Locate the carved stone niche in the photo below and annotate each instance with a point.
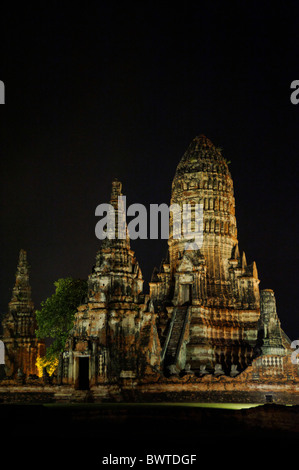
(203, 369)
(234, 370)
(188, 369)
(218, 370)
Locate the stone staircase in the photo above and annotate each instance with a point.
(177, 331)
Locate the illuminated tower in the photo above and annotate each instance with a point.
(208, 299)
(203, 177)
(114, 336)
(19, 325)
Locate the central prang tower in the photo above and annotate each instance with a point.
(208, 299)
(203, 177)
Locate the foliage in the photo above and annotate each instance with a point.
(56, 317)
(50, 364)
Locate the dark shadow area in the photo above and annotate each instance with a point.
(83, 373)
(130, 430)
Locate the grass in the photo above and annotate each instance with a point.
(225, 406)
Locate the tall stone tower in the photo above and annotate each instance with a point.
(202, 177)
(114, 335)
(19, 325)
(208, 299)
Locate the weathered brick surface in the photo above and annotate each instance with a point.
(205, 332)
(19, 325)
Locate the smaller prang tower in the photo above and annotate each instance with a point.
(19, 324)
(114, 337)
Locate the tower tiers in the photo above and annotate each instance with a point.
(114, 336)
(204, 315)
(203, 177)
(213, 284)
(19, 325)
(203, 312)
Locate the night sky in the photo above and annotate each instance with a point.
(120, 90)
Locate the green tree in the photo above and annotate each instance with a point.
(56, 316)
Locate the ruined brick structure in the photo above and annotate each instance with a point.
(114, 335)
(211, 295)
(19, 325)
(204, 332)
(204, 314)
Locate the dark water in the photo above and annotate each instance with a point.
(98, 432)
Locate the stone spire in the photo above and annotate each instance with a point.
(19, 325)
(207, 298)
(117, 201)
(116, 258)
(21, 307)
(21, 300)
(203, 177)
(201, 149)
(112, 330)
(269, 334)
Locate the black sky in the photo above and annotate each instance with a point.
(119, 90)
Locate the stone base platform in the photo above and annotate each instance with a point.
(187, 389)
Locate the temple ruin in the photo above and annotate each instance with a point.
(22, 348)
(205, 331)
